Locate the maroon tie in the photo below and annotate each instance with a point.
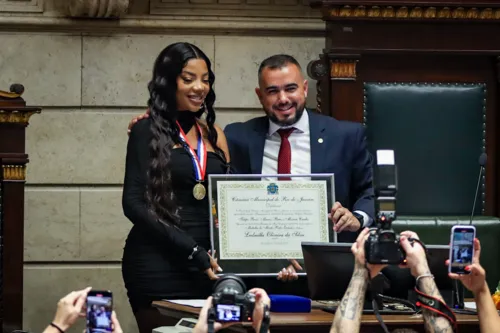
(285, 154)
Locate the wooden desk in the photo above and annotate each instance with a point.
(320, 321)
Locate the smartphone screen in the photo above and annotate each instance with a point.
(462, 248)
(99, 310)
(228, 313)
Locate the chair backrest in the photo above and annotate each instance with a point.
(437, 132)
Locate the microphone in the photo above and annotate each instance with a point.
(482, 163)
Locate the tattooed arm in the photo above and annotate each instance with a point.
(433, 322)
(348, 314)
(417, 262)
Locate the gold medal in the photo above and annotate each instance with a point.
(199, 161)
(199, 191)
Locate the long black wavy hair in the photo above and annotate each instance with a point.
(163, 114)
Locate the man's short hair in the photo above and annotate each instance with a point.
(278, 61)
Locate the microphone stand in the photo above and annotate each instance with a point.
(457, 296)
(477, 191)
(211, 318)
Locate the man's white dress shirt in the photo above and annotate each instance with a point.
(300, 145)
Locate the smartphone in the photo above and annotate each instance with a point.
(461, 248)
(228, 313)
(99, 310)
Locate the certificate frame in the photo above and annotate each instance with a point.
(262, 267)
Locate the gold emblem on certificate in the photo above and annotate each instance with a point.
(199, 191)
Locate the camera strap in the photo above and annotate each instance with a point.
(266, 320)
(211, 316)
(435, 305)
(375, 299)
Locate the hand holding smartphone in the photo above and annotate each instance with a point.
(461, 248)
(99, 311)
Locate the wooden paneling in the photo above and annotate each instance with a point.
(14, 117)
(413, 41)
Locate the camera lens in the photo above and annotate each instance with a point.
(230, 284)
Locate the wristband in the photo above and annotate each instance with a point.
(422, 276)
(56, 327)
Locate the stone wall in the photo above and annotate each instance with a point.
(90, 78)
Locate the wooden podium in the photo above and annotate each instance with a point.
(14, 117)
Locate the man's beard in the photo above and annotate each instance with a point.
(299, 111)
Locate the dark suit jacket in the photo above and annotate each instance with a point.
(343, 152)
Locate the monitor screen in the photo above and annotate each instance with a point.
(329, 268)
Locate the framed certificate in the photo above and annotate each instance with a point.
(258, 222)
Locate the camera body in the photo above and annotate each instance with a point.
(231, 302)
(382, 245)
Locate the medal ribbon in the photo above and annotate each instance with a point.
(200, 160)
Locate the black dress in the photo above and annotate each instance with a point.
(155, 260)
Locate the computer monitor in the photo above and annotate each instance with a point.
(329, 268)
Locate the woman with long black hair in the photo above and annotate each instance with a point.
(169, 156)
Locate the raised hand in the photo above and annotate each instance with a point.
(343, 219)
(477, 277)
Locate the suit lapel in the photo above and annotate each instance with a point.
(318, 144)
(256, 145)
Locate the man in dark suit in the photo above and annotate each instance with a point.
(293, 140)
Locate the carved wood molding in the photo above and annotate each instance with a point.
(21, 117)
(13, 107)
(233, 8)
(410, 12)
(29, 6)
(317, 70)
(14, 172)
(97, 8)
(343, 69)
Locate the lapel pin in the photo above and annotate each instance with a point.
(320, 140)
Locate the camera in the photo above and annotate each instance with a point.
(382, 245)
(231, 302)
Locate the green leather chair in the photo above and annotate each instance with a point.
(437, 132)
